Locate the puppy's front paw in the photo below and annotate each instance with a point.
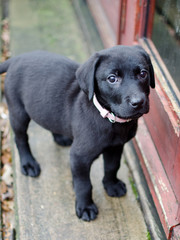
(115, 189)
(30, 167)
(86, 213)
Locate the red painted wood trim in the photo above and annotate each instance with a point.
(150, 18)
(178, 214)
(139, 20)
(128, 33)
(176, 176)
(175, 234)
(163, 122)
(158, 182)
(166, 137)
(122, 20)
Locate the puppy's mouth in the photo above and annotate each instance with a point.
(132, 116)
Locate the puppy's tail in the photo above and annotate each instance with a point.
(4, 66)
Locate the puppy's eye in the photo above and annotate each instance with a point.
(143, 74)
(112, 78)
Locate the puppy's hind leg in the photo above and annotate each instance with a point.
(19, 122)
(62, 140)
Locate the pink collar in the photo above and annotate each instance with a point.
(106, 114)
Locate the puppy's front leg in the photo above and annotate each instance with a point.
(113, 186)
(80, 167)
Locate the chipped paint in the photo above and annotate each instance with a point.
(163, 185)
(160, 187)
(153, 179)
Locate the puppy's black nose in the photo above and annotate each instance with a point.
(136, 102)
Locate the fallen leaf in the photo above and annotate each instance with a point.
(6, 157)
(7, 205)
(3, 187)
(8, 195)
(7, 174)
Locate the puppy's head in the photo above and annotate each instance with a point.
(121, 78)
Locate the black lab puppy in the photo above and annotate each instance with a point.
(95, 106)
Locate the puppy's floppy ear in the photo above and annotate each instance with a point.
(151, 71)
(148, 60)
(85, 75)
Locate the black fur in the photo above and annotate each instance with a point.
(57, 93)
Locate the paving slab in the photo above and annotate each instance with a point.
(45, 205)
(46, 25)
